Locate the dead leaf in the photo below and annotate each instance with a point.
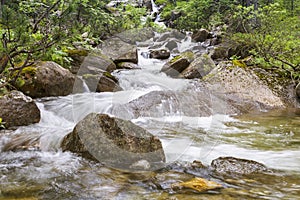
(198, 184)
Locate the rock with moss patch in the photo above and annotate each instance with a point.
(200, 67)
(45, 79)
(114, 142)
(242, 88)
(179, 63)
(77, 56)
(18, 110)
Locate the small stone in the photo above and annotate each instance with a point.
(160, 54)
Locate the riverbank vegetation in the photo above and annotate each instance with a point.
(49, 29)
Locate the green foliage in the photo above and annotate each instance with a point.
(131, 16)
(197, 13)
(274, 37)
(2, 124)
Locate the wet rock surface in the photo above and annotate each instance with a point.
(18, 110)
(115, 142)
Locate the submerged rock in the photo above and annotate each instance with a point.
(115, 142)
(119, 51)
(46, 79)
(198, 184)
(231, 165)
(176, 65)
(18, 110)
(23, 142)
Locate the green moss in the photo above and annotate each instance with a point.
(29, 70)
(189, 55)
(88, 76)
(239, 63)
(77, 52)
(176, 58)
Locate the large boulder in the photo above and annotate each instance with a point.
(219, 52)
(242, 87)
(160, 53)
(179, 63)
(199, 68)
(174, 34)
(96, 63)
(172, 44)
(114, 142)
(133, 36)
(231, 166)
(200, 36)
(119, 51)
(101, 83)
(18, 110)
(45, 79)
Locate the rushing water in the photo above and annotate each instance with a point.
(272, 138)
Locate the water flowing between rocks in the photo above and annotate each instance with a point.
(189, 119)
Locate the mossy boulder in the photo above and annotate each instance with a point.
(18, 110)
(114, 142)
(179, 63)
(199, 68)
(200, 35)
(77, 56)
(45, 79)
(242, 88)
